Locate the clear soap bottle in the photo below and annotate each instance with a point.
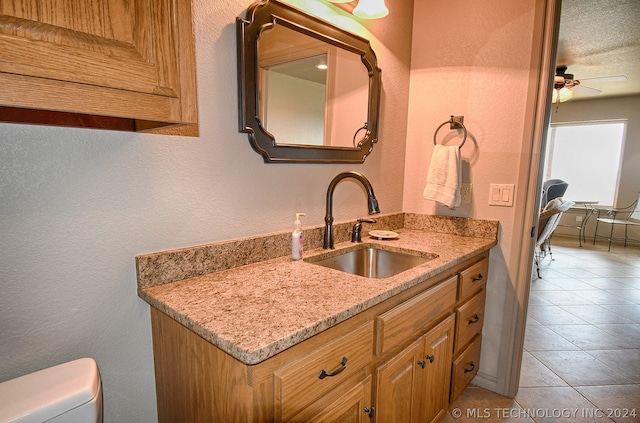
(296, 238)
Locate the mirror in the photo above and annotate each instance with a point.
(308, 91)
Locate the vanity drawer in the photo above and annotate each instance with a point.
(309, 378)
(469, 319)
(411, 317)
(465, 368)
(473, 278)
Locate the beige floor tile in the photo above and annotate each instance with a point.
(619, 402)
(589, 337)
(580, 368)
(541, 338)
(557, 404)
(478, 404)
(533, 373)
(625, 362)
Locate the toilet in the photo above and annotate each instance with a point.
(69, 392)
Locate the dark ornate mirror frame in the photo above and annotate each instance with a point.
(261, 16)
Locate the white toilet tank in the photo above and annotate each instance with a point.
(70, 393)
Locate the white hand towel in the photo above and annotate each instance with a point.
(444, 177)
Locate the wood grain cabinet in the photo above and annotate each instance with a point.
(113, 64)
(413, 385)
(403, 360)
(469, 321)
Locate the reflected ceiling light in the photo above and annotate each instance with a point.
(322, 66)
(366, 9)
(371, 9)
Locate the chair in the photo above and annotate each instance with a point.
(627, 216)
(548, 222)
(553, 188)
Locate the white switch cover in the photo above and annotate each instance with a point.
(465, 193)
(501, 194)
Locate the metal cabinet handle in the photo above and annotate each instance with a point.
(473, 366)
(475, 319)
(477, 278)
(428, 357)
(370, 411)
(324, 373)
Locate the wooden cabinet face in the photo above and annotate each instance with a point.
(130, 59)
(413, 386)
(437, 358)
(397, 383)
(119, 44)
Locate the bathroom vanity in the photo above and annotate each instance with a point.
(282, 340)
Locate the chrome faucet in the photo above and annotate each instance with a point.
(328, 218)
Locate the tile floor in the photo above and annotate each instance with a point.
(582, 343)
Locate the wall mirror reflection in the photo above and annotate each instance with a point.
(309, 87)
(309, 91)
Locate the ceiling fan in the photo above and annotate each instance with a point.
(565, 85)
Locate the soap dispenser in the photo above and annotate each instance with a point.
(296, 238)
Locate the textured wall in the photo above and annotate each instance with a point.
(77, 205)
(473, 60)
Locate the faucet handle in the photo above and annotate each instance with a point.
(356, 231)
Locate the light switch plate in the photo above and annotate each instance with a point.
(501, 194)
(465, 193)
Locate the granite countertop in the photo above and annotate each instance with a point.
(258, 310)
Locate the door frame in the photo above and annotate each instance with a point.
(537, 120)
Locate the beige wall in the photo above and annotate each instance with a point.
(473, 60)
(77, 205)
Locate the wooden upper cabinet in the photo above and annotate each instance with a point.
(115, 64)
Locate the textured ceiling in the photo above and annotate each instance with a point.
(601, 38)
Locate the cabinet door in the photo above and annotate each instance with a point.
(116, 58)
(397, 383)
(438, 346)
(351, 406)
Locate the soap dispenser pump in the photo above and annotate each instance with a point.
(296, 238)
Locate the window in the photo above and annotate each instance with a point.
(586, 155)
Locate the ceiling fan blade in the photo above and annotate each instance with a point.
(602, 79)
(581, 89)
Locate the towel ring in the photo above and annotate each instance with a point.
(457, 122)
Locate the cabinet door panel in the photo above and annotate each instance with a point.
(122, 44)
(349, 408)
(437, 356)
(397, 381)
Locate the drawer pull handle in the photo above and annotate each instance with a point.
(475, 319)
(324, 373)
(473, 366)
(477, 278)
(422, 363)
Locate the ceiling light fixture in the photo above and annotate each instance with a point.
(561, 95)
(366, 9)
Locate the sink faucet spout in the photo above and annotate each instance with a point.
(372, 203)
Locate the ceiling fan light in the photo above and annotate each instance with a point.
(564, 94)
(371, 9)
